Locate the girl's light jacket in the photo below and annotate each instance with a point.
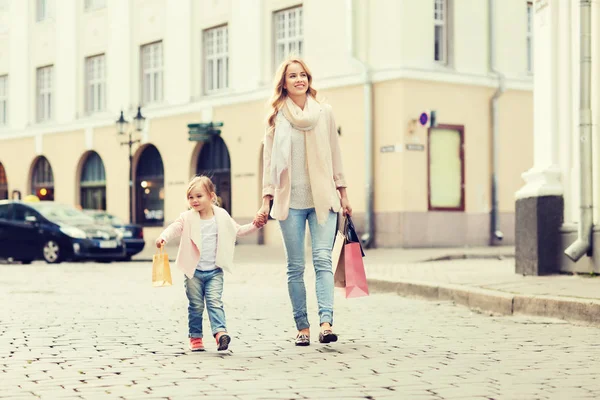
(188, 227)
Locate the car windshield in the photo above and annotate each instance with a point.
(61, 213)
(105, 218)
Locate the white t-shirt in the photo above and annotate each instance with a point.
(208, 252)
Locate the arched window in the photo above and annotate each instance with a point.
(214, 162)
(93, 183)
(149, 187)
(3, 183)
(42, 179)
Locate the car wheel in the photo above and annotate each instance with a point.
(26, 261)
(51, 252)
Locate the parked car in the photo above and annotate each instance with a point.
(133, 234)
(55, 232)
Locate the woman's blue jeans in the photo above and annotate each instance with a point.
(293, 230)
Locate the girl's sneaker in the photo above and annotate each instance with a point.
(196, 344)
(223, 341)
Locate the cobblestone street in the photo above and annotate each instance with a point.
(102, 331)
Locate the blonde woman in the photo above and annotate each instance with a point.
(303, 176)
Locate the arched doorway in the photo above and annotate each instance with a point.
(3, 183)
(214, 162)
(42, 179)
(93, 183)
(149, 188)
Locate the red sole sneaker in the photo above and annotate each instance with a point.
(223, 342)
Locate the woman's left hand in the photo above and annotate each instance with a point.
(346, 207)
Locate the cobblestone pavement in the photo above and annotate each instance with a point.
(101, 331)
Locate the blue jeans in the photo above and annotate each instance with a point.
(293, 230)
(205, 286)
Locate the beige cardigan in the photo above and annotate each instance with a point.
(188, 227)
(281, 196)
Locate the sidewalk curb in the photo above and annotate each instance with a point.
(565, 308)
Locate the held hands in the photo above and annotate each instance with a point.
(160, 242)
(262, 216)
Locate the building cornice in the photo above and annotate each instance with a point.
(227, 98)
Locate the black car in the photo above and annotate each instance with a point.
(133, 234)
(55, 232)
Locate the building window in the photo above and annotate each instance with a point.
(288, 34)
(44, 93)
(95, 84)
(529, 36)
(41, 10)
(3, 100)
(91, 5)
(446, 168)
(93, 183)
(440, 17)
(216, 56)
(152, 72)
(42, 179)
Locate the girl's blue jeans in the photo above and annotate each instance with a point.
(293, 230)
(205, 286)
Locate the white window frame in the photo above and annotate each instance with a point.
(95, 84)
(216, 59)
(41, 10)
(288, 34)
(44, 98)
(440, 20)
(152, 81)
(3, 100)
(91, 5)
(529, 37)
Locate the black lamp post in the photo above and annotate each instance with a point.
(122, 129)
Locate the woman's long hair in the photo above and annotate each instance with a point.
(280, 94)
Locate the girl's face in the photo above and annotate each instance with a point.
(199, 199)
(296, 80)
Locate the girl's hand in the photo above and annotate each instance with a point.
(263, 213)
(160, 242)
(346, 207)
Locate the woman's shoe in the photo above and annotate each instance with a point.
(302, 340)
(327, 336)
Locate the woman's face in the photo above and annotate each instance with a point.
(296, 80)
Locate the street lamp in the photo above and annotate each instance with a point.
(123, 128)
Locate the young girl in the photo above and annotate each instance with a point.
(208, 235)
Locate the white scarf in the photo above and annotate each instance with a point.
(318, 152)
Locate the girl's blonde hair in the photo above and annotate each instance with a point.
(206, 183)
(280, 94)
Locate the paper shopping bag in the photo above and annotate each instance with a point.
(161, 271)
(337, 260)
(356, 278)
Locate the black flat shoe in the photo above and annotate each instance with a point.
(327, 337)
(302, 340)
(224, 341)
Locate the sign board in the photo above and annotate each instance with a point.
(415, 147)
(204, 132)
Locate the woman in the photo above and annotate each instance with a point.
(303, 176)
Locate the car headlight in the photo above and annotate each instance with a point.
(73, 232)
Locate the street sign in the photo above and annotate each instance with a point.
(204, 132)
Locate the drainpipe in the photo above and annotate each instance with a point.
(583, 244)
(496, 234)
(368, 237)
